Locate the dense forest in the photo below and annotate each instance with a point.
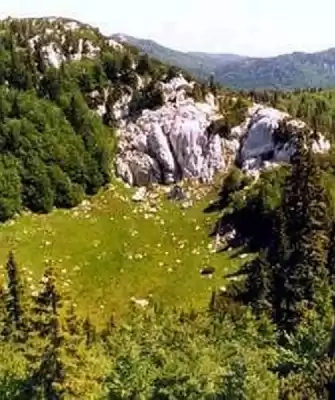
(269, 335)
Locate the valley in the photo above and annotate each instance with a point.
(163, 237)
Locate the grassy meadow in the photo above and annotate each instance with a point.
(111, 249)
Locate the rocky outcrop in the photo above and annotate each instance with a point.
(172, 142)
(260, 148)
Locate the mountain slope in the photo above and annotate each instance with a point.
(287, 71)
(200, 64)
(63, 89)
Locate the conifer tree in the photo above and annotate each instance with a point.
(292, 277)
(144, 65)
(331, 257)
(15, 319)
(47, 367)
(89, 332)
(306, 213)
(40, 57)
(58, 356)
(258, 283)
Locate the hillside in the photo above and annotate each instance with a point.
(160, 238)
(68, 95)
(287, 71)
(199, 64)
(87, 107)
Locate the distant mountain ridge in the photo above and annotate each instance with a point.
(200, 64)
(287, 71)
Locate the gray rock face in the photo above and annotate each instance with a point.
(259, 148)
(172, 143)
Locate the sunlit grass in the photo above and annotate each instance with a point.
(111, 249)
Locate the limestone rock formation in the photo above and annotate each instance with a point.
(259, 146)
(172, 142)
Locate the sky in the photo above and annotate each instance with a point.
(248, 27)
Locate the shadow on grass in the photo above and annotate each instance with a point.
(240, 228)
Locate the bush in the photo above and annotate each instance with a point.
(10, 187)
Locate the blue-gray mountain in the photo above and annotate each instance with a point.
(287, 71)
(199, 64)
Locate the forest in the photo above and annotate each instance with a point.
(269, 335)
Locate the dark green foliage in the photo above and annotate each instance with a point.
(306, 217)
(47, 305)
(160, 353)
(247, 205)
(15, 318)
(288, 72)
(54, 150)
(144, 65)
(37, 192)
(35, 137)
(291, 277)
(149, 98)
(10, 187)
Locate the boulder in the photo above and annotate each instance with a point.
(140, 194)
(259, 146)
(176, 193)
(140, 302)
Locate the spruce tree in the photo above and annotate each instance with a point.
(292, 277)
(15, 321)
(47, 374)
(258, 284)
(58, 353)
(303, 272)
(89, 332)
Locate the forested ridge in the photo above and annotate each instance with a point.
(268, 334)
(283, 72)
(55, 149)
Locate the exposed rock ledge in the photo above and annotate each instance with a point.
(258, 146)
(172, 142)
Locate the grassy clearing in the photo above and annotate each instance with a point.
(111, 249)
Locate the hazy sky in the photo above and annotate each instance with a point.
(249, 27)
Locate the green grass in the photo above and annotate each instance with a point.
(114, 249)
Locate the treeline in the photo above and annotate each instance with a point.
(315, 106)
(48, 351)
(290, 281)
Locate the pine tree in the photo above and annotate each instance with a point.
(57, 358)
(3, 315)
(15, 321)
(144, 66)
(40, 57)
(291, 277)
(331, 257)
(302, 275)
(89, 332)
(258, 284)
(212, 85)
(47, 368)
(46, 305)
